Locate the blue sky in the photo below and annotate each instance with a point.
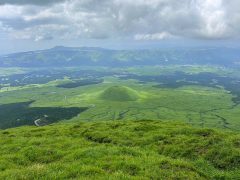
(34, 24)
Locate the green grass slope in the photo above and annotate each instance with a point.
(119, 150)
(119, 93)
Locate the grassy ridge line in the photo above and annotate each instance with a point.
(119, 150)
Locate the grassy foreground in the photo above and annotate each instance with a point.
(119, 150)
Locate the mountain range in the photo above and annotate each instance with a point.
(61, 56)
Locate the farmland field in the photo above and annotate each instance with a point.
(202, 96)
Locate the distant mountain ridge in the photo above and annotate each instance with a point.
(61, 56)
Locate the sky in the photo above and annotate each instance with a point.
(40, 24)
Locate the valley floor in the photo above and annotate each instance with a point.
(202, 96)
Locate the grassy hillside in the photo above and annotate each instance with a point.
(119, 150)
(119, 93)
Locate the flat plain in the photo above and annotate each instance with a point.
(202, 96)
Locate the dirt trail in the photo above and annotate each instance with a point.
(36, 122)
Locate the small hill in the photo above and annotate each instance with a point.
(119, 150)
(119, 93)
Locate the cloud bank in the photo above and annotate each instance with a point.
(120, 19)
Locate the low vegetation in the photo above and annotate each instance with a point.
(80, 83)
(198, 95)
(120, 93)
(119, 150)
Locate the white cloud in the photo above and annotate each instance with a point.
(137, 19)
(10, 11)
(33, 2)
(213, 16)
(156, 36)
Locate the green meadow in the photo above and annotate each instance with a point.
(117, 99)
(119, 150)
